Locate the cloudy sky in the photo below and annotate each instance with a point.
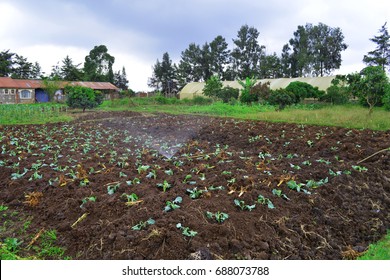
(138, 32)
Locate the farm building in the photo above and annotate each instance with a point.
(196, 88)
(15, 91)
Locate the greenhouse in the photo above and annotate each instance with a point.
(194, 89)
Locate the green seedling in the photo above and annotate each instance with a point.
(315, 184)
(359, 168)
(165, 186)
(17, 175)
(172, 205)
(86, 199)
(279, 193)
(186, 230)
(142, 168)
(220, 217)
(35, 176)
(265, 201)
(188, 177)
(169, 172)
(142, 225)
(297, 186)
(112, 188)
(241, 204)
(152, 174)
(219, 188)
(132, 199)
(195, 193)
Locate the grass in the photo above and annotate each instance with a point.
(379, 250)
(38, 113)
(24, 243)
(349, 116)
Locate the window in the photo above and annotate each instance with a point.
(12, 91)
(25, 94)
(6, 91)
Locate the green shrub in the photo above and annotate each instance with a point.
(200, 100)
(246, 95)
(336, 95)
(263, 91)
(302, 90)
(281, 98)
(83, 97)
(227, 94)
(386, 100)
(212, 87)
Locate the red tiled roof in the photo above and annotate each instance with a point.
(7, 82)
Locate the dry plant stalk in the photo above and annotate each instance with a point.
(79, 220)
(36, 237)
(81, 173)
(351, 254)
(33, 198)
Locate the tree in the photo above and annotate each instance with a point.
(381, 55)
(247, 53)
(70, 71)
(371, 85)
(164, 74)
(219, 56)
(36, 71)
(190, 67)
(82, 97)
(326, 46)
(282, 98)
(6, 63)
(271, 67)
(246, 95)
(315, 50)
(213, 86)
(98, 65)
(22, 68)
(120, 79)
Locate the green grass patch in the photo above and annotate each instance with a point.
(379, 250)
(349, 116)
(38, 113)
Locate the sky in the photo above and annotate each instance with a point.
(138, 32)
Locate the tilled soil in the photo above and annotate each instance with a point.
(341, 207)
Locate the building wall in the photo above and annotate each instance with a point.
(16, 96)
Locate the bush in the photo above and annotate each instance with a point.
(263, 91)
(246, 96)
(212, 87)
(83, 97)
(200, 100)
(386, 100)
(228, 93)
(336, 95)
(282, 98)
(302, 90)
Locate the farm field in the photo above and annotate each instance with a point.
(128, 185)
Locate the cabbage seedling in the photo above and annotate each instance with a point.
(86, 199)
(220, 217)
(132, 199)
(172, 205)
(186, 230)
(279, 193)
(195, 193)
(142, 225)
(263, 200)
(241, 204)
(164, 186)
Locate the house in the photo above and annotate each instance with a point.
(196, 88)
(15, 91)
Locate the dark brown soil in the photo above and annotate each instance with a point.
(101, 151)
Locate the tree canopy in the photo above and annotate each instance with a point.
(381, 55)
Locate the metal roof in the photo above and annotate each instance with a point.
(7, 82)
